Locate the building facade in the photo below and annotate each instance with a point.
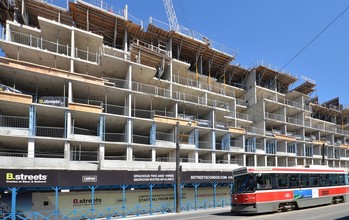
(89, 88)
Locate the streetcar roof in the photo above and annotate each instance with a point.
(297, 169)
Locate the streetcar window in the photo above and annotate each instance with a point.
(341, 179)
(293, 178)
(304, 180)
(346, 179)
(281, 180)
(314, 180)
(332, 179)
(263, 181)
(324, 180)
(244, 183)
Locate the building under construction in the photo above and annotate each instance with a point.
(88, 93)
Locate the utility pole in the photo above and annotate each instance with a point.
(178, 180)
(323, 154)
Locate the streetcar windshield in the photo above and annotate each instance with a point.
(244, 183)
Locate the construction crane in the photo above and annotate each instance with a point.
(171, 15)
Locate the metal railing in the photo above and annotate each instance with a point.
(273, 116)
(236, 143)
(55, 132)
(280, 100)
(164, 136)
(221, 125)
(89, 102)
(195, 35)
(114, 137)
(164, 113)
(55, 47)
(153, 90)
(84, 155)
(294, 121)
(87, 55)
(222, 90)
(115, 157)
(275, 68)
(253, 130)
(102, 4)
(13, 154)
(84, 131)
(14, 121)
(49, 155)
(141, 113)
(318, 126)
(140, 139)
(114, 82)
(114, 109)
(142, 159)
(173, 159)
(205, 161)
(150, 47)
(244, 116)
(241, 102)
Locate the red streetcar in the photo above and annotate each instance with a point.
(269, 189)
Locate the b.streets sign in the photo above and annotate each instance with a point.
(45, 178)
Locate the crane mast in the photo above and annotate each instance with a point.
(171, 15)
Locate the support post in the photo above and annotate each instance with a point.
(323, 154)
(93, 200)
(56, 201)
(151, 198)
(196, 185)
(175, 197)
(214, 194)
(178, 181)
(123, 200)
(13, 202)
(231, 192)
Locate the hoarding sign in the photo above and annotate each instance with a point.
(44, 178)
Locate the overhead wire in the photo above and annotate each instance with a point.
(318, 35)
(184, 15)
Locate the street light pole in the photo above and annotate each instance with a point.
(178, 180)
(323, 154)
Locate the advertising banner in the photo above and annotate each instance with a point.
(49, 178)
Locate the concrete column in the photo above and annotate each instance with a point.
(8, 35)
(227, 157)
(244, 160)
(171, 77)
(129, 76)
(255, 160)
(72, 50)
(70, 92)
(129, 95)
(265, 161)
(172, 155)
(153, 155)
(191, 156)
(196, 157)
(69, 124)
(32, 120)
(200, 65)
(101, 153)
(129, 153)
(276, 161)
(213, 140)
(31, 148)
(125, 44)
(67, 151)
(213, 160)
(129, 131)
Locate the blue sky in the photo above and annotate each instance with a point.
(272, 31)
